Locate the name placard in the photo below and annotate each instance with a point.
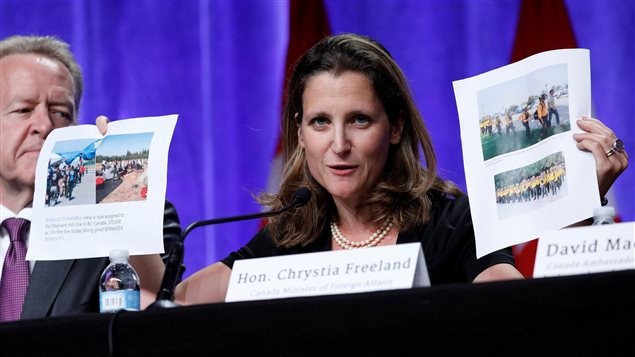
(583, 250)
(399, 266)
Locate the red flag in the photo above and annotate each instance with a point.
(543, 25)
(308, 24)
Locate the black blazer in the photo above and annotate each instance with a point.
(67, 287)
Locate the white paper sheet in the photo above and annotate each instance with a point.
(108, 209)
(495, 162)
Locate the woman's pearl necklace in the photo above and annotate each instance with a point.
(372, 241)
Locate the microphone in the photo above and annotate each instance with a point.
(165, 296)
(300, 198)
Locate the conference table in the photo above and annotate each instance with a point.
(589, 314)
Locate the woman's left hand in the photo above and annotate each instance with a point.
(610, 159)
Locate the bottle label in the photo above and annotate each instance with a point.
(111, 301)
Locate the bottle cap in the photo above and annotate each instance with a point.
(119, 254)
(604, 211)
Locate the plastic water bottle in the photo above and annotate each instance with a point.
(119, 284)
(603, 215)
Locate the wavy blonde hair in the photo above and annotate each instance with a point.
(402, 191)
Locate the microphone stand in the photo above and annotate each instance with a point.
(173, 267)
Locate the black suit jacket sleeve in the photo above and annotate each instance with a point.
(171, 228)
(171, 233)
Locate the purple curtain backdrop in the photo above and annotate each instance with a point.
(219, 64)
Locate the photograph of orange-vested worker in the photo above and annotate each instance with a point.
(522, 112)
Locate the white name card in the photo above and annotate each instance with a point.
(583, 250)
(399, 266)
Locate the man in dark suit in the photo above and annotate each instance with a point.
(40, 90)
